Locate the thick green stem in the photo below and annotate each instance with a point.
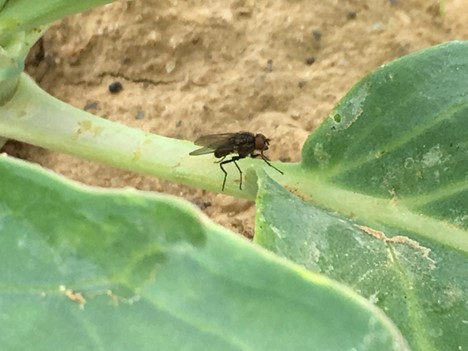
(372, 210)
(35, 117)
(25, 15)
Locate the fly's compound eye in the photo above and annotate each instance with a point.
(261, 142)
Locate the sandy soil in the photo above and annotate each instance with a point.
(196, 67)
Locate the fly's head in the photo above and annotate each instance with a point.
(261, 142)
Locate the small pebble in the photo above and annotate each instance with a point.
(202, 204)
(91, 106)
(295, 116)
(40, 56)
(351, 14)
(140, 114)
(115, 87)
(310, 60)
(269, 66)
(317, 34)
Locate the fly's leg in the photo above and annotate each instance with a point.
(219, 161)
(233, 159)
(266, 159)
(225, 173)
(240, 174)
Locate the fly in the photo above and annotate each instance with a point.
(241, 144)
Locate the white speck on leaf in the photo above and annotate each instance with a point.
(434, 157)
(409, 163)
(374, 298)
(277, 232)
(353, 108)
(320, 155)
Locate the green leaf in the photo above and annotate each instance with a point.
(92, 269)
(24, 15)
(422, 288)
(386, 183)
(402, 133)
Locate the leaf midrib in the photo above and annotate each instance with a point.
(374, 211)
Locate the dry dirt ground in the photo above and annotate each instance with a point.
(196, 67)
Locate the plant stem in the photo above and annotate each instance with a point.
(25, 15)
(37, 118)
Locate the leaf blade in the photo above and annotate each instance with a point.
(419, 284)
(121, 269)
(391, 162)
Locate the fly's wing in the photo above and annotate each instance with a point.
(201, 151)
(212, 142)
